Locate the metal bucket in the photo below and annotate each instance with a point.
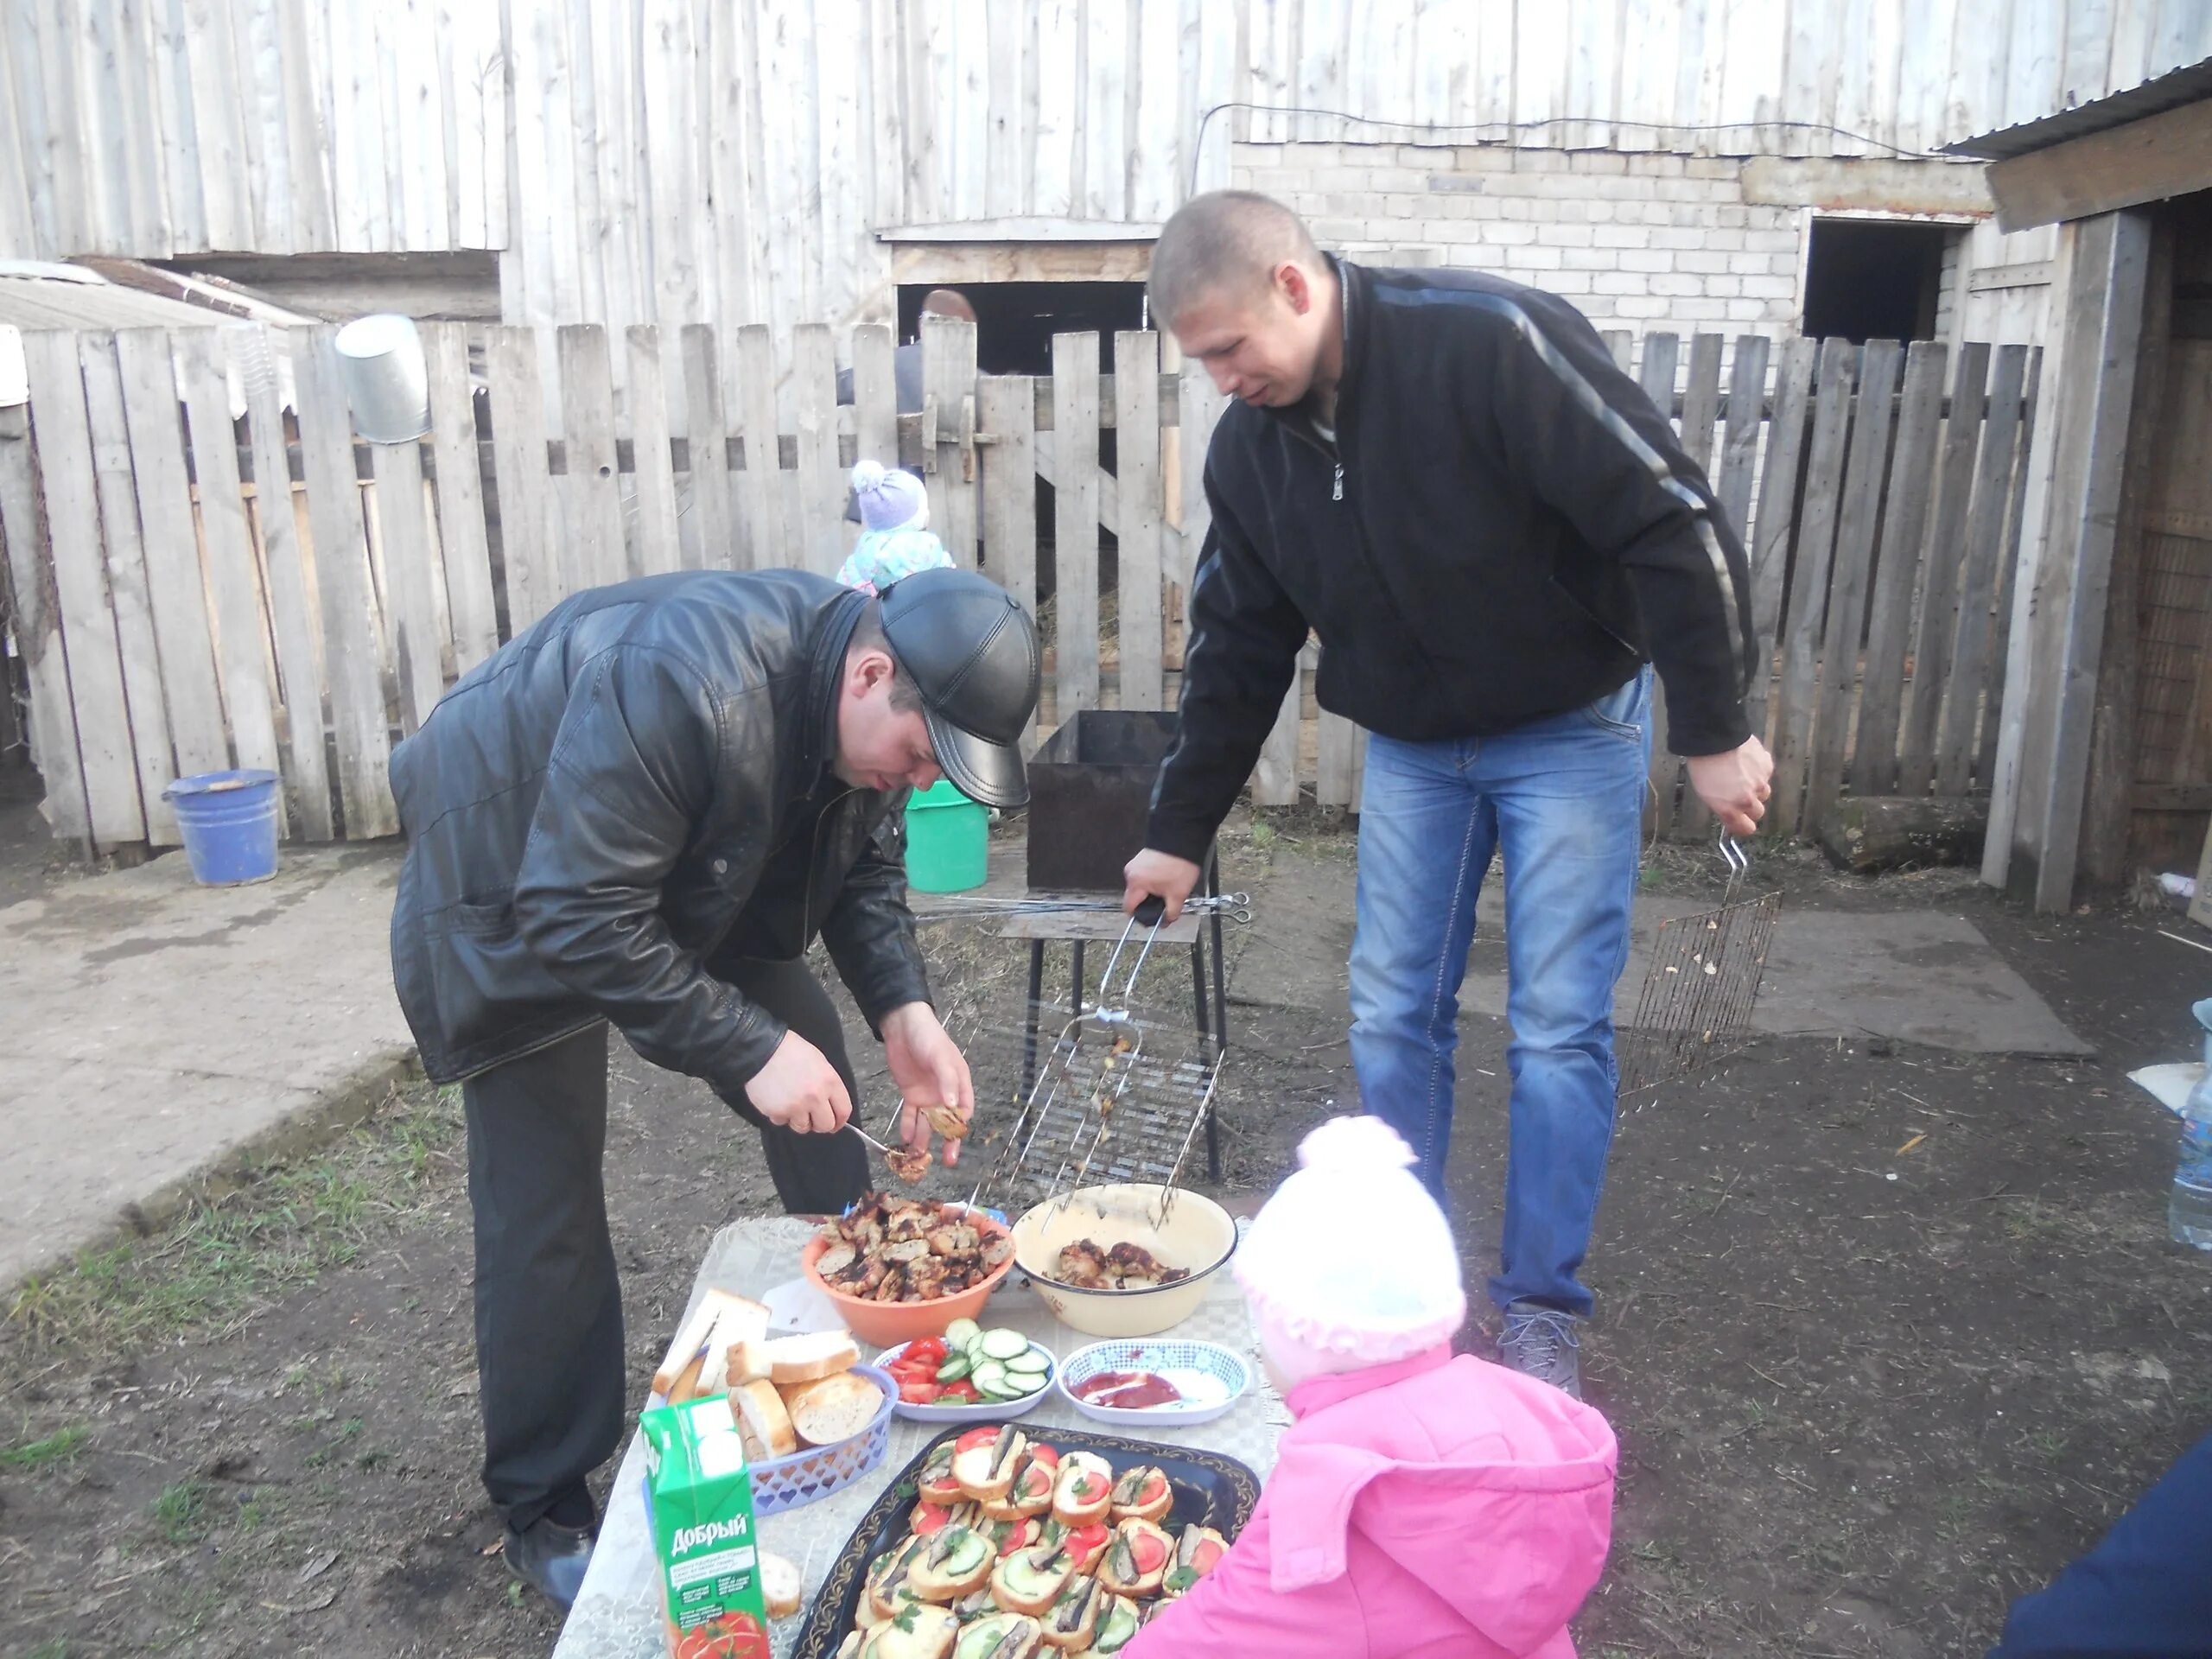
(387, 383)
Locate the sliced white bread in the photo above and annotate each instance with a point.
(719, 1317)
(763, 1422)
(833, 1408)
(1073, 1619)
(926, 1633)
(1143, 1492)
(781, 1584)
(956, 1563)
(999, 1635)
(1084, 1491)
(1030, 1580)
(986, 1473)
(1136, 1560)
(794, 1360)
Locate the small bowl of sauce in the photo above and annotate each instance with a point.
(1154, 1380)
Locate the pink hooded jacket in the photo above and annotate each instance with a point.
(1434, 1507)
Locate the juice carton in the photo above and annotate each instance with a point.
(699, 1493)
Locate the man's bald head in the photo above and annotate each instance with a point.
(948, 303)
(1230, 242)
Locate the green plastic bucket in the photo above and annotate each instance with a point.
(948, 841)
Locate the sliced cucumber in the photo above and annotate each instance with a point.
(1004, 1344)
(960, 1333)
(989, 1376)
(954, 1367)
(1034, 1361)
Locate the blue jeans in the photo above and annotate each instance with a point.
(1563, 796)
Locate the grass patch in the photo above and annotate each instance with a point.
(56, 1447)
(180, 1511)
(228, 1256)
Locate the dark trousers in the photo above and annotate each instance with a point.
(548, 1302)
(2145, 1592)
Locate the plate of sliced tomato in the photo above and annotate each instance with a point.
(933, 1388)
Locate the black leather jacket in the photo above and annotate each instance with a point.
(636, 789)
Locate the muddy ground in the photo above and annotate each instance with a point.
(1887, 1333)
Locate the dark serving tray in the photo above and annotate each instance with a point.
(1210, 1491)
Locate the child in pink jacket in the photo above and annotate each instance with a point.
(1420, 1505)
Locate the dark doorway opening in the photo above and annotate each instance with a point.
(1015, 322)
(1873, 279)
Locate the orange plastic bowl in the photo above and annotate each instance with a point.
(888, 1324)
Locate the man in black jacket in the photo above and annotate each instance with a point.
(1493, 532)
(639, 813)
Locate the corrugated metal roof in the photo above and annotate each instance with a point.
(2170, 90)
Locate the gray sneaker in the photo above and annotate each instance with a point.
(1540, 1342)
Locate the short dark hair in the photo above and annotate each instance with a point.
(1225, 239)
(868, 635)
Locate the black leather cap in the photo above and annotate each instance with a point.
(972, 649)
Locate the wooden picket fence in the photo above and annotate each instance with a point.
(173, 620)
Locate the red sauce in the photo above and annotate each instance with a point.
(1130, 1390)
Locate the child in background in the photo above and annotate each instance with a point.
(1420, 1505)
(895, 538)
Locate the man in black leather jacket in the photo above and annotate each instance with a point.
(639, 813)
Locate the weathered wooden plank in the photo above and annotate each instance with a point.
(875, 395)
(97, 698)
(654, 544)
(710, 539)
(35, 625)
(234, 584)
(1854, 552)
(593, 497)
(1075, 523)
(1701, 399)
(1946, 562)
(1005, 406)
(183, 631)
(1662, 351)
(949, 378)
(730, 110)
(1808, 586)
(1201, 411)
(2144, 161)
(760, 486)
(1141, 597)
(1776, 518)
(293, 631)
(1275, 779)
(818, 530)
(1974, 665)
(1740, 450)
(530, 531)
(2008, 573)
(470, 600)
(1622, 344)
(127, 589)
(1897, 571)
(351, 654)
(411, 613)
(673, 129)
(1341, 751)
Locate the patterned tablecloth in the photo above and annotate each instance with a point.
(618, 1615)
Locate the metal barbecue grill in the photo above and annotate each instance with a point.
(1695, 1007)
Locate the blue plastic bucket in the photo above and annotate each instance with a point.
(229, 821)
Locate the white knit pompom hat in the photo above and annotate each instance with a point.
(1350, 1263)
(889, 498)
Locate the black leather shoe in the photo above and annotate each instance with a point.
(549, 1558)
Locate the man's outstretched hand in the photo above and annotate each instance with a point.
(799, 1089)
(1735, 784)
(930, 1071)
(1158, 876)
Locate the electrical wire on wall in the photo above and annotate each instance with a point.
(1504, 132)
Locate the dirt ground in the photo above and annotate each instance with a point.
(1887, 1333)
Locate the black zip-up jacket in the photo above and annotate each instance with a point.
(634, 789)
(1503, 528)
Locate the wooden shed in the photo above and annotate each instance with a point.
(2104, 761)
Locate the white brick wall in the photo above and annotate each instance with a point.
(1653, 242)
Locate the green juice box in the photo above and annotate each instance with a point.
(699, 1493)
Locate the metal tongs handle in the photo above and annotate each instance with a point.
(1739, 862)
